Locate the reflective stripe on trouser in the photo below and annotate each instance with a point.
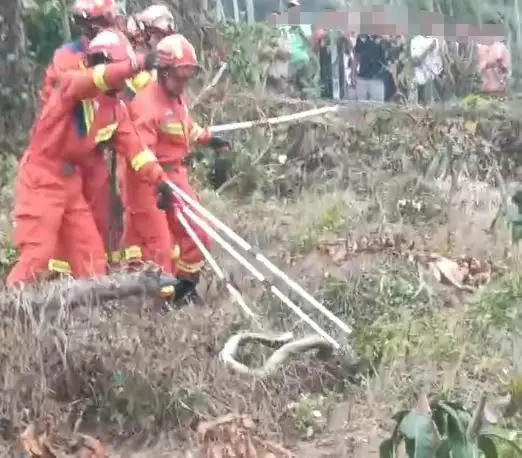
(59, 266)
(63, 267)
(135, 253)
(191, 259)
(157, 231)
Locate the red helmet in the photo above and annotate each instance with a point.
(109, 46)
(157, 18)
(175, 51)
(93, 9)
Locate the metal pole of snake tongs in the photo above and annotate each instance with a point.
(248, 265)
(259, 257)
(273, 121)
(234, 293)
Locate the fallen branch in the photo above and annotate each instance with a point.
(209, 86)
(49, 299)
(287, 348)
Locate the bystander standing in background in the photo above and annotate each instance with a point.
(321, 45)
(494, 65)
(426, 54)
(394, 50)
(370, 61)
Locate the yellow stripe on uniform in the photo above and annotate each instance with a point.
(176, 252)
(114, 256)
(141, 80)
(144, 157)
(88, 114)
(57, 265)
(133, 252)
(98, 77)
(105, 133)
(168, 292)
(190, 268)
(173, 128)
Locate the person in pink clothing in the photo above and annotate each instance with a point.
(494, 66)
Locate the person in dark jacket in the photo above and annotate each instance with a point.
(371, 60)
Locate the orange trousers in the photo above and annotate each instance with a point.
(49, 208)
(96, 190)
(155, 231)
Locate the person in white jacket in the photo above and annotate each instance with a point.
(426, 54)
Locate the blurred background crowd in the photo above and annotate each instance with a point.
(423, 68)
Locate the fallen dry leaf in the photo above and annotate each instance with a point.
(36, 444)
(92, 448)
(232, 436)
(463, 273)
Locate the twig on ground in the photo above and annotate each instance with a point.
(210, 85)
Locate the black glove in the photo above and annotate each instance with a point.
(163, 196)
(150, 60)
(218, 143)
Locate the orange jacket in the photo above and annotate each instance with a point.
(67, 57)
(165, 125)
(73, 122)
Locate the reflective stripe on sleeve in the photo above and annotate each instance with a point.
(144, 157)
(105, 133)
(98, 73)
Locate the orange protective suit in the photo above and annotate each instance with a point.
(165, 126)
(95, 175)
(49, 204)
(132, 87)
(69, 56)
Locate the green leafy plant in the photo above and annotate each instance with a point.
(516, 223)
(8, 254)
(445, 429)
(247, 47)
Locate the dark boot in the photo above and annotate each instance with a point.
(186, 291)
(180, 291)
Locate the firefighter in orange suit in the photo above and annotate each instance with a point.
(161, 117)
(91, 17)
(49, 203)
(145, 29)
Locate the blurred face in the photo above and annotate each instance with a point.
(438, 30)
(155, 36)
(175, 80)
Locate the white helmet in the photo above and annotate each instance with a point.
(157, 17)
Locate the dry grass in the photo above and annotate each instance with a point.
(122, 370)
